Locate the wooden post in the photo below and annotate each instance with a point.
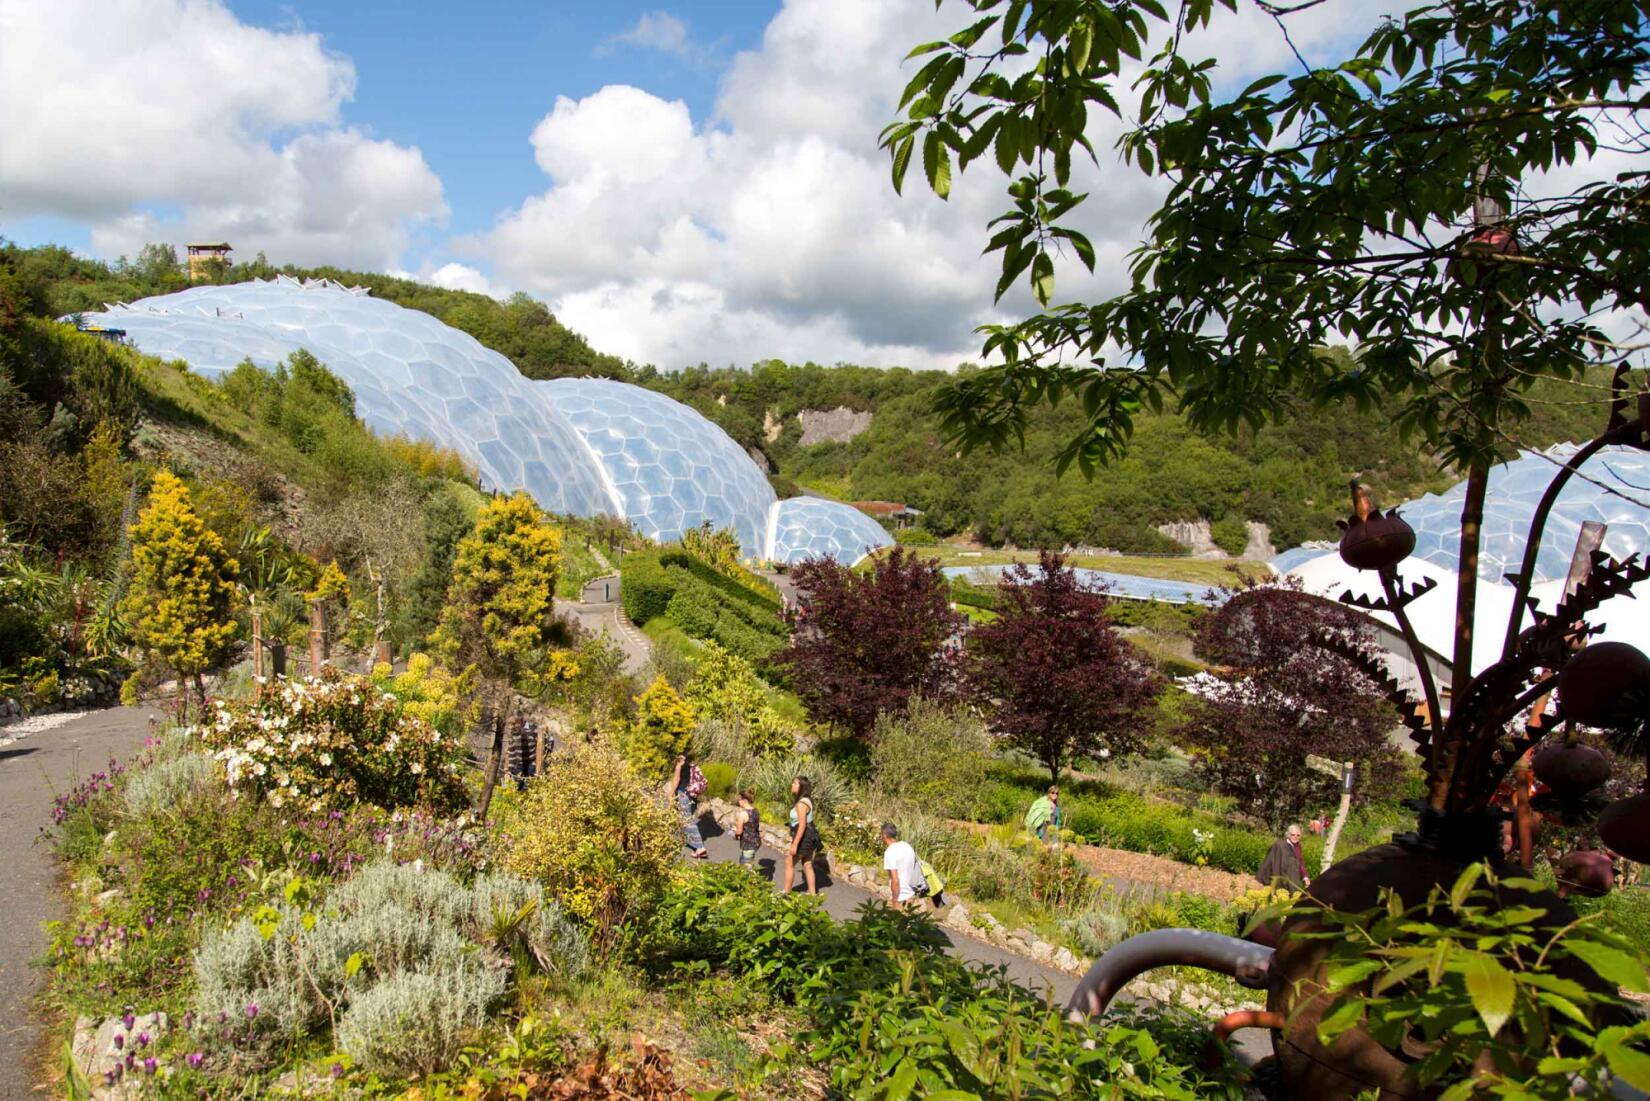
(382, 652)
(277, 659)
(317, 637)
(257, 642)
(1340, 817)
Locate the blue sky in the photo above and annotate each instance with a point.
(468, 88)
(680, 181)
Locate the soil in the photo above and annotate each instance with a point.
(1131, 870)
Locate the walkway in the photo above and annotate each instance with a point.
(609, 619)
(33, 770)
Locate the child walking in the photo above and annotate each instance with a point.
(747, 828)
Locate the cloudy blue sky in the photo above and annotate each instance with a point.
(693, 182)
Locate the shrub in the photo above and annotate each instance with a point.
(659, 732)
(770, 778)
(932, 755)
(332, 741)
(1097, 930)
(430, 693)
(720, 778)
(1229, 534)
(387, 932)
(416, 1022)
(645, 589)
(165, 784)
(598, 842)
(915, 537)
(694, 611)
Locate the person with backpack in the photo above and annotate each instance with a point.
(747, 829)
(805, 844)
(688, 783)
(906, 879)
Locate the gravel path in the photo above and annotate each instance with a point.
(39, 758)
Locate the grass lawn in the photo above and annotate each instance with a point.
(1196, 570)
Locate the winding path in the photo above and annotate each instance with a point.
(33, 770)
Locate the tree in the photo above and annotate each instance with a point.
(1421, 198)
(499, 618)
(1053, 675)
(660, 731)
(867, 642)
(1286, 696)
(181, 599)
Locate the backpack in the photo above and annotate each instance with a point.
(696, 784)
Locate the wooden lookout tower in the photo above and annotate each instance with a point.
(201, 257)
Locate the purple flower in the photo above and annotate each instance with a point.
(251, 1010)
(150, 1065)
(120, 1040)
(337, 1070)
(128, 1020)
(143, 1039)
(195, 1059)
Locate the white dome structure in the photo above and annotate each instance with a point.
(580, 446)
(1514, 490)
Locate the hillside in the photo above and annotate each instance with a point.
(1290, 476)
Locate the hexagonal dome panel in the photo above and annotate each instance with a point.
(670, 468)
(410, 372)
(813, 527)
(1510, 501)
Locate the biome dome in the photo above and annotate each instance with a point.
(580, 446)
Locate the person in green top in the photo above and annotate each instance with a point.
(1043, 819)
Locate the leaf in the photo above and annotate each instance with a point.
(1629, 1064)
(1611, 964)
(902, 161)
(1347, 1014)
(1042, 277)
(1464, 884)
(936, 163)
(1491, 988)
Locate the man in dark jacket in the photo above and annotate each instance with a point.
(1285, 866)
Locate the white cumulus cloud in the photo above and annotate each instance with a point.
(165, 119)
(771, 228)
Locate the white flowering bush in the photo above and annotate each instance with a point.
(333, 741)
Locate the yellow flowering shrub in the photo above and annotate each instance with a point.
(661, 729)
(430, 692)
(590, 831)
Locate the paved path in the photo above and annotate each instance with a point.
(610, 619)
(33, 770)
(843, 900)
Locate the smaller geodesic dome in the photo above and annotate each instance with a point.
(812, 527)
(1513, 492)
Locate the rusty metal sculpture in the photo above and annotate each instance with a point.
(1466, 752)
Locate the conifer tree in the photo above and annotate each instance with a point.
(182, 595)
(660, 731)
(500, 617)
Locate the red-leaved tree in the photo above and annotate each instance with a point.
(1281, 697)
(866, 643)
(1053, 675)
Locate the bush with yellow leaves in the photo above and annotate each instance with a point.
(661, 730)
(599, 841)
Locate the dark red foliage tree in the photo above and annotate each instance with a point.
(865, 643)
(1055, 678)
(1281, 696)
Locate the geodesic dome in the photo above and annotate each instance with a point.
(670, 468)
(812, 527)
(580, 446)
(1510, 500)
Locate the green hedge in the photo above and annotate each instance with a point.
(741, 615)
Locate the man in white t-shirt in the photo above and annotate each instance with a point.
(905, 879)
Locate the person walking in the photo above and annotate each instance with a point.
(687, 783)
(804, 845)
(747, 829)
(906, 882)
(1043, 819)
(1285, 864)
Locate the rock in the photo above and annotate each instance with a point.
(112, 1049)
(1259, 547)
(956, 916)
(1194, 535)
(837, 425)
(1066, 960)
(760, 458)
